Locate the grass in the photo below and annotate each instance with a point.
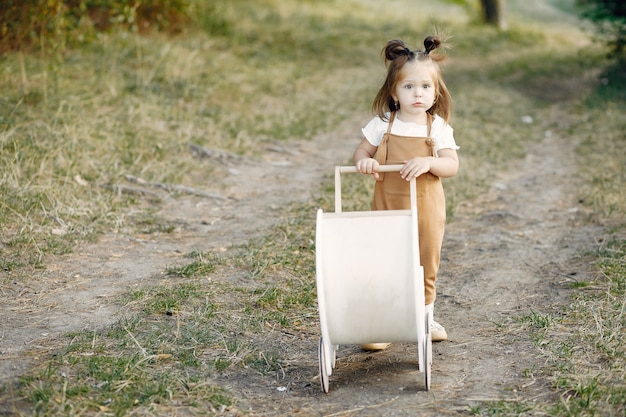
(172, 337)
(75, 125)
(583, 349)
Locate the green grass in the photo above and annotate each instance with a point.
(175, 337)
(586, 352)
(74, 126)
(203, 264)
(589, 334)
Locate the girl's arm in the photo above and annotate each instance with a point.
(444, 166)
(363, 158)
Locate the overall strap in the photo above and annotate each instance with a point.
(430, 141)
(391, 119)
(381, 152)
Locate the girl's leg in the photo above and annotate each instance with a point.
(431, 223)
(431, 219)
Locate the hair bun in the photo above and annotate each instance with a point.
(431, 43)
(395, 49)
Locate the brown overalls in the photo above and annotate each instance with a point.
(392, 193)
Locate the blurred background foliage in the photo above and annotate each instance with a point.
(61, 23)
(609, 17)
(27, 23)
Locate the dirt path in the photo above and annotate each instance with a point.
(509, 253)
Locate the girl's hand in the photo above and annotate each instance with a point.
(368, 166)
(415, 167)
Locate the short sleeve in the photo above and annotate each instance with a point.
(443, 135)
(374, 131)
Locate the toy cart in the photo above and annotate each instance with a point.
(370, 283)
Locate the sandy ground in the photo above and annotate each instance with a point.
(512, 251)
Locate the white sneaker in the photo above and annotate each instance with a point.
(437, 332)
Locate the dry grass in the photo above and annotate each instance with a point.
(74, 127)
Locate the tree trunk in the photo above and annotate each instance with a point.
(493, 13)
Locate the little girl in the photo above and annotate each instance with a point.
(410, 127)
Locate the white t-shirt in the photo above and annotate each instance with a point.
(441, 132)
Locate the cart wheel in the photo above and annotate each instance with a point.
(428, 352)
(323, 369)
(428, 355)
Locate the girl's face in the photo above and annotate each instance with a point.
(415, 91)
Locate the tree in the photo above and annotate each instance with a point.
(493, 13)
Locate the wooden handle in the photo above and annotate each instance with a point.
(350, 169)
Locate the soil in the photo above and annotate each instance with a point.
(512, 251)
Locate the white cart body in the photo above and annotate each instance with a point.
(370, 284)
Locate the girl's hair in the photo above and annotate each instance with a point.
(397, 54)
